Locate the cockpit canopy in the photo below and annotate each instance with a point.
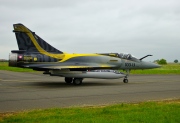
(125, 56)
(122, 56)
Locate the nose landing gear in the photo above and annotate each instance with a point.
(125, 80)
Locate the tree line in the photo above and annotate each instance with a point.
(163, 61)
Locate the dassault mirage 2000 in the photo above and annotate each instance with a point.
(37, 54)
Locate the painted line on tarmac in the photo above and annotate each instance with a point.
(25, 80)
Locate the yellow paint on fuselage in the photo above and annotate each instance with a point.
(73, 55)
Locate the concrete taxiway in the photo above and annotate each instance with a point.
(26, 91)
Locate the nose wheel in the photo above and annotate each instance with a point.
(125, 80)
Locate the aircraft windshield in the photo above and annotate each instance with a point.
(125, 56)
(122, 55)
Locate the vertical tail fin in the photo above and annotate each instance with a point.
(30, 42)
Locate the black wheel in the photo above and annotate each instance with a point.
(77, 81)
(68, 80)
(125, 80)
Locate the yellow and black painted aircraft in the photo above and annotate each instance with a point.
(37, 54)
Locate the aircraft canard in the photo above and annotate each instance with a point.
(37, 54)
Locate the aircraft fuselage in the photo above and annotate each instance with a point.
(37, 54)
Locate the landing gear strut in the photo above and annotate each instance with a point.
(125, 80)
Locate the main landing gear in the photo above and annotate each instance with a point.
(76, 81)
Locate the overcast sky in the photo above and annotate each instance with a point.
(138, 27)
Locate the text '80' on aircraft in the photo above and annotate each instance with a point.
(37, 54)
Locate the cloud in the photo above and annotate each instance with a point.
(138, 27)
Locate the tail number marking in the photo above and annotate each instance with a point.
(130, 64)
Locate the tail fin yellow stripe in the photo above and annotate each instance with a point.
(22, 28)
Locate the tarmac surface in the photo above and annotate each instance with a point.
(26, 91)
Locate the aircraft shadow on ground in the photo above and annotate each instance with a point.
(65, 85)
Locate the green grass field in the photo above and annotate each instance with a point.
(146, 112)
(4, 66)
(170, 68)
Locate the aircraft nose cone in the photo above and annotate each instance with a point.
(149, 65)
(156, 65)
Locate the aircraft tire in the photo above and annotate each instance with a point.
(125, 80)
(68, 80)
(77, 81)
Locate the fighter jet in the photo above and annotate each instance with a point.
(37, 54)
